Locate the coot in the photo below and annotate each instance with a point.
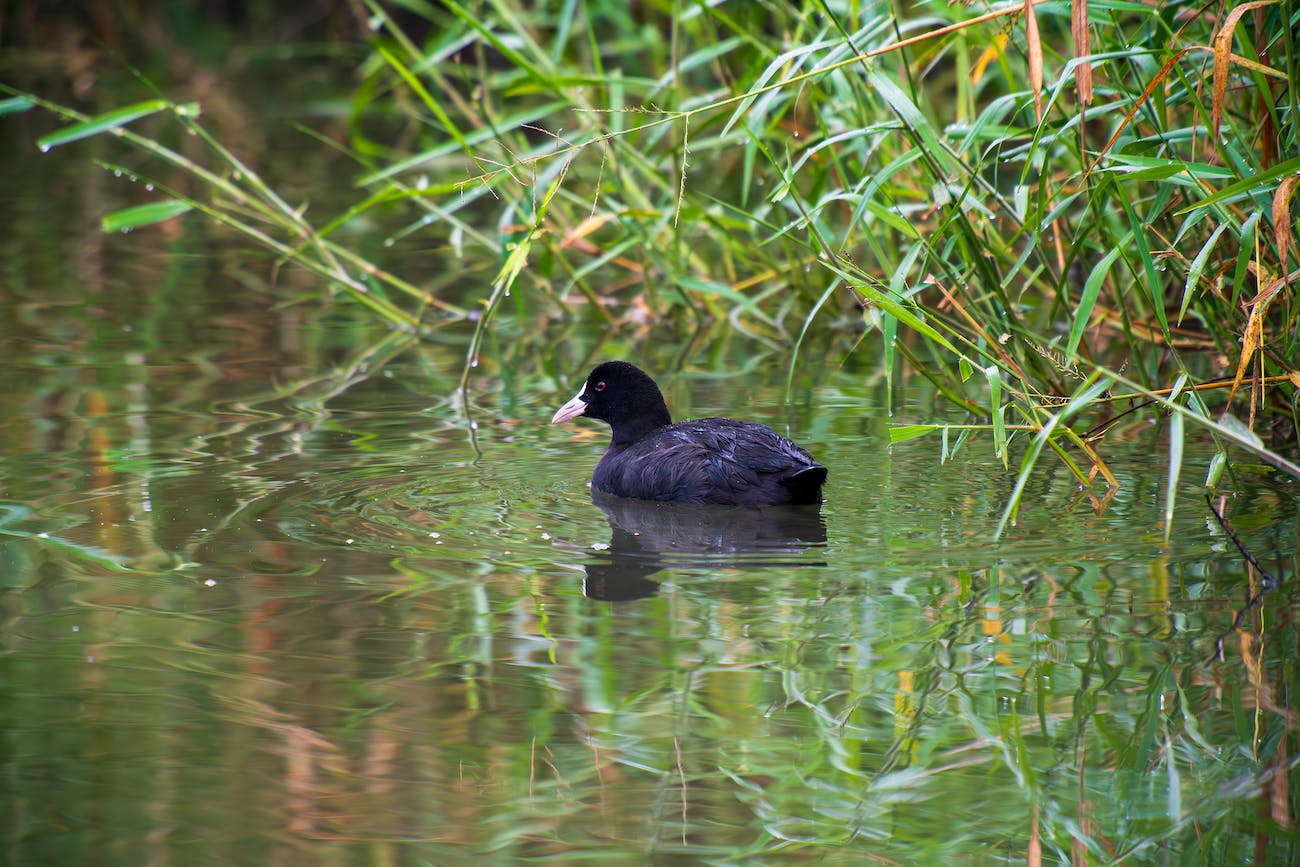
(709, 460)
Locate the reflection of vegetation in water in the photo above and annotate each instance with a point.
(394, 654)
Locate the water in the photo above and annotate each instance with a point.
(304, 627)
(275, 592)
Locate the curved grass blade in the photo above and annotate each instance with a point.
(902, 312)
(1091, 290)
(789, 62)
(112, 120)
(430, 102)
(1195, 269)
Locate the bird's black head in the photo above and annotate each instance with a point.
(622, 395)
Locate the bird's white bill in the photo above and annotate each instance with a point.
(571, 410)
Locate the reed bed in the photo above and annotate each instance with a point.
(1058, 214)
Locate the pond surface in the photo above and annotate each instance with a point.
(275, 591)
(356, 624)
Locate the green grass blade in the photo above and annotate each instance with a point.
(1196, 268)
(902, 312)
(994, 376)
(14, 105)
(1176, 441)
(1175, 470)
(1246, 186)
(911, 116)
(144, 215)
(904, 432)
(1091, 290)
(715, 289)
(434, 106)
(1154, 288)
(112, 120)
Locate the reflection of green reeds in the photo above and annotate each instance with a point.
(12, 515)
(1033, 199)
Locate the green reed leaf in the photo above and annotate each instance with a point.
(143, 215)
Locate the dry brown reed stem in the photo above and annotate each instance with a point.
(1082, 48)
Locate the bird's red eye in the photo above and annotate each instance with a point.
(600, 386)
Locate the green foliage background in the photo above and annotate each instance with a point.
(1055, 212)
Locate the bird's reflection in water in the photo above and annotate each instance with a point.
(649, 536)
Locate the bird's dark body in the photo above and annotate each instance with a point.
(710, 460)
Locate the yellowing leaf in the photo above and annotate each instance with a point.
(990, 54)
(1282, 216)
(585, 228)
(1223, 56)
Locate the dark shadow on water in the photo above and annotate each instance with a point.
(650, 536)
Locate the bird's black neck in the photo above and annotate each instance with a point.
(629, 431)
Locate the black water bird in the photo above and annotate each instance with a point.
(710, 460)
